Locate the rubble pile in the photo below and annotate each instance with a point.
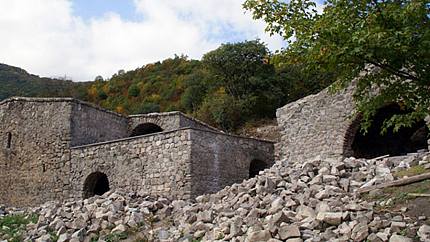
(314, 200)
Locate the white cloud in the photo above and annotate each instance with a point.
(45, 38)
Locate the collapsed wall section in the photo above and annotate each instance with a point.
(34, 154)
(219, 160)
(152, 164)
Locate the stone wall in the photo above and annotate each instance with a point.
(320, 124)
(151, 164)
(323, 124)
(167, 121)
(90, 124)
(219, 160)
(51, 148)
(34, 169)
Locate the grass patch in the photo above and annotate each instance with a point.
(399, 195)
(412, 171)
(13, 226)
(115, 237)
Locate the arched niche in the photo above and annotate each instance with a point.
(145, 128)
(255, 167)
(373, 144)
(97, 183)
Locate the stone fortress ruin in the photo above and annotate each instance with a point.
(60, 148)
(326, 125)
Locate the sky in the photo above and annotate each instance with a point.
(81, 39)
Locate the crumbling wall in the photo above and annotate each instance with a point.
(152, 164)
(219, 160)
(34, 169)
(90, 124)
(320, 124)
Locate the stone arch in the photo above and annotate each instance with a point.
(256, 166)
(145, 128)
(374, 144)
(97, 183)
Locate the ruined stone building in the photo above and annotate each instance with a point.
(326, 124)
(59, 148)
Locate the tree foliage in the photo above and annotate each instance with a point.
(380, 45)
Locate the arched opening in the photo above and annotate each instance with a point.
(255, 167)
(96, 183)
(146, 128)
(374, 144)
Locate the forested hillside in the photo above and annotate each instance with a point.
(232, 85)
(15, 81)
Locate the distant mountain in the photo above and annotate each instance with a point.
(15, 81)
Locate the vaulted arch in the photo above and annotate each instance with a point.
(145, 128)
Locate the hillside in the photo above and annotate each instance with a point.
(232, 86)
(15, 81)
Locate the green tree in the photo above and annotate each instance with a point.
(382, 45)
(245, 72)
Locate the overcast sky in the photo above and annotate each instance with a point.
(85, 38)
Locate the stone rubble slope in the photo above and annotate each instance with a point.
(302, 201)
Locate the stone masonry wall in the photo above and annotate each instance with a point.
(219, 160)
(151, 164)
(320, 124)
(90, 124)
(167, 121)
(34, 169)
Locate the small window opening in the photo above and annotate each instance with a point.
(43, 168)
(9, 140)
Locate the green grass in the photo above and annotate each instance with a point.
(412, 171)
(400, 194)
(13, 226)
(115, 237)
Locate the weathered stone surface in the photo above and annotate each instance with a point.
(59, 148)
(288, 231)
(399, 238)
(259, 236)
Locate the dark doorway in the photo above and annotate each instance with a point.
(96, 183)
(406, 140)
(146, 128)
(255, 167)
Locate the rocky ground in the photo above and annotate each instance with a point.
(314, 200)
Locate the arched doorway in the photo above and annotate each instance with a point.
(374, 144)
(96, 183)
(145, 128)
(255, 167)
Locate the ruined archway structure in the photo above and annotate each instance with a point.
(324, 125)
(256, 166)
(97, 183)
(59, 148)
(145, 128)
